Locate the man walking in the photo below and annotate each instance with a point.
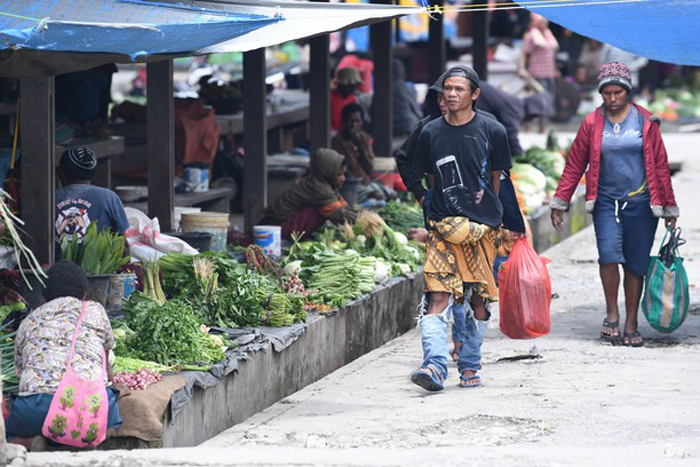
(464, 153)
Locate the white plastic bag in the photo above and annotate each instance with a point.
(145, 240)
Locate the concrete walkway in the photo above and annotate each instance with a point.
(583, 403)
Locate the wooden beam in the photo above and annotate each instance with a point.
(161, 143)
(437, 56)
(383, 100)
(38, 203)
(480, 26)
(255, 137)
(320, 93)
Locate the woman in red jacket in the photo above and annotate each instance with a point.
(628, 187)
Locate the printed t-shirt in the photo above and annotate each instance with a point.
(78, 205)
(462, 159)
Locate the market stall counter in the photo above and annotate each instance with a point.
(544, 235)
(272, 363)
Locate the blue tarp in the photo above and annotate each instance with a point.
(663, 30)
(128, 27)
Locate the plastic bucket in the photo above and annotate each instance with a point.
(216, 223)
(121, 287)
(200, 241)
(98, 288)
(269, 238)
(197, 177)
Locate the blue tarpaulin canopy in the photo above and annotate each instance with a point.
(663, 30)
(128, 27)
(49, 37)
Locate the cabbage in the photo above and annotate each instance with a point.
(415, 253)
(381, 272)
(401, 238)
(526, 174)
(293, 267)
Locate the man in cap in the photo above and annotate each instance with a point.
(348, 80)
(78, 203)
(464, 154)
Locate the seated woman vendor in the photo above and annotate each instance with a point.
(314, 199)
(42, 348)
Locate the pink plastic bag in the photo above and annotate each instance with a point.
(525, 293)
(79, 408)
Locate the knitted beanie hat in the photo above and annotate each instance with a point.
(614, 73)
(79, 163)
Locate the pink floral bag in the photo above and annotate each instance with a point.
(79, 408)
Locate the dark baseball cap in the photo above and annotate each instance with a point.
(462, 71)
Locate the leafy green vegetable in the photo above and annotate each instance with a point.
(402, 216)
(551, 163)
(167, 334)
(10, 382)
(99, 253)
(5, 310)
(236, 299)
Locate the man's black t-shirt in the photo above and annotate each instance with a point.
(462, 159)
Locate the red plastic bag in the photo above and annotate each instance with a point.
(525, 293)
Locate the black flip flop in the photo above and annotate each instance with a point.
(613, 326)
(629, 336)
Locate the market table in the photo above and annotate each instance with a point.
(216, 199)
(287, 108)
(104, 149)
(276, 362)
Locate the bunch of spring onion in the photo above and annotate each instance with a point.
(132, 365)
(336, 273)
(284, 310)
(367, 265)
(20, 249)
(151, 281)
(207, 277)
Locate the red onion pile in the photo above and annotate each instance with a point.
(137, 381)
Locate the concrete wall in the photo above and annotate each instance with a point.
(269, 376)
(544, 235)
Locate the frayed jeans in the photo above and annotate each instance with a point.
(433, 330)
(470, 332)
(467, 329)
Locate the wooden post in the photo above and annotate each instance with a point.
(320, 93)
(38, 201)
(383, 101)
(437, 57)
(255, 137)
(161, 143)
(480, 25)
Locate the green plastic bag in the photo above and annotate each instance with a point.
(666, 294)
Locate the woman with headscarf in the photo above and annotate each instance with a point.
(628, 188)
(314, 199)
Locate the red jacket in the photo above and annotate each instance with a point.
(585, 154)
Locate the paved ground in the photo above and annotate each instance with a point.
(583, 403)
